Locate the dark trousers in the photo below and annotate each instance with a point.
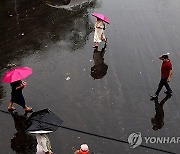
(163, 82)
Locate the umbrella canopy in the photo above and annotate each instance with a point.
(101, 16)
(43, 120)
(17, 73)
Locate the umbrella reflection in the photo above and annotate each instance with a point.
(21, 141)
(99, 70)
(158, 120)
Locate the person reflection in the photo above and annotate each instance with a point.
(21, 141)
(99, 70)
(1, 93)
(158, 120)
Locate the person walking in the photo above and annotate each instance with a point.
(166, 73)
(99, 35)
(17, 96)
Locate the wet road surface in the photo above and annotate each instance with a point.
(57, 44)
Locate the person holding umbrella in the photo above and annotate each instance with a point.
(17, 95)
(14, 77)
(99, 28)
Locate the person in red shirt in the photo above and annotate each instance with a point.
(84, 149)
(166, 73)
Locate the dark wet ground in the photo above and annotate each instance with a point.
(57, 44)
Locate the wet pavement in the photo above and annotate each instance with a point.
(57, 44)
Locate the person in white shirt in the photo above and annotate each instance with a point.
(43, 142)
(99, 35)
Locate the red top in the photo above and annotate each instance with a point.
(83, 152)
(165, 68)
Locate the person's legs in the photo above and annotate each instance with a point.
(21, 102)
(161, 84)
(28, 108)
(10, 107)
(25, 107)
(167, 87)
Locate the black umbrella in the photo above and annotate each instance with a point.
(43, 120)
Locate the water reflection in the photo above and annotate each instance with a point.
(99, 70)
(22, 142)
(30, 26)
(58, 2)
(73, 5)
(1, 93)
(158, 120)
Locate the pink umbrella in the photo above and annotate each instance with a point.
(101, 16)
(17, 73)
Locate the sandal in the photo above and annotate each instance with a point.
(28, 109)
(11, 108)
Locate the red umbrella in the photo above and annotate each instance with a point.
(17, 73)
(101, 16)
